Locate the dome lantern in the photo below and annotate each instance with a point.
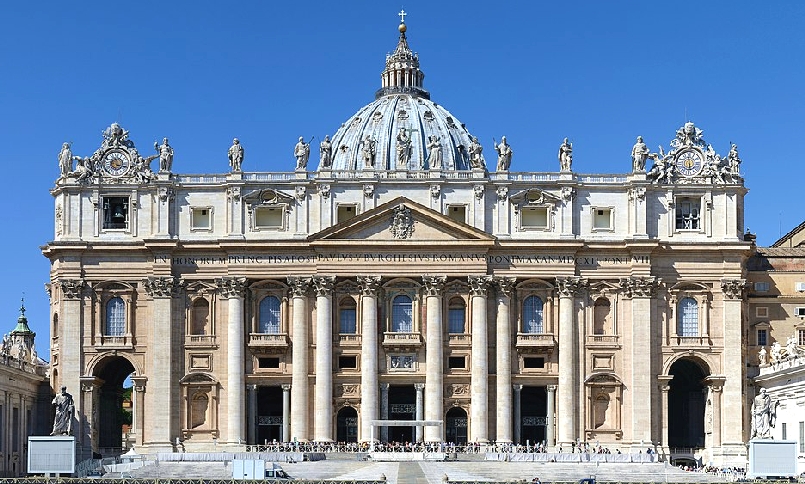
(402, 73)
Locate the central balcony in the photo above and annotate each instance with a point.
(535, 342)
(402, 341)
(269, 342)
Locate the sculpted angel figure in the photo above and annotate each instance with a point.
(565, 155)
(235, 155)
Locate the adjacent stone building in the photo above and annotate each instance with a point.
(24, 397)
(776, 334)
(411, 274)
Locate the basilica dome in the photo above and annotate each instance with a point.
(402, 129)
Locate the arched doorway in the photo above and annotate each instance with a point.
(113, 410)
(686, 404)
(347, 425)
(456, 426)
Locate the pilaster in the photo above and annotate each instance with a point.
(732, 399)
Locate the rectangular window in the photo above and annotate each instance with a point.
(457, 213)
(602, 219)
(687, 213)
(762, 312)
(15, 429)
(268, 362)
(348, 362)
(346, 212)
(456, 362)
(347, 322)
(201, 218)
(799, 312)
(534, 218)
(761, 286)
(115, 213)
(762, 335)
(801, 337)
(269, 218)
(533, 362)
(784, 431)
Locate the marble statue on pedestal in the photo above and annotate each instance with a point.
(65, 410)
(235, 155)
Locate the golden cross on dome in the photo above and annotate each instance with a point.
(402, 15)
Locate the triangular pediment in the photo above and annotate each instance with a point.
(402, 221)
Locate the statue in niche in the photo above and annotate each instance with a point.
(476, 154)
(66, 160)
(761, 356)
(403, 149)
(165, 155)
(235, 155)
(326, 152)
(505, 153)
(65, 410)
(764, 415)
(434, 152)
(369, 150)
(640, 153)
(565, 155)
(302, 152)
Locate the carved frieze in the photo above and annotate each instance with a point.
(570, 286)
(231, 287)
(640, 286)
(350, 390)
(160, 286)
(479, 285)
(434, 285)
(71, 288)
(458, 390)
(733, 288)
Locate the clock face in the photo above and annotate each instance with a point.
(689, 163)
(116, 163)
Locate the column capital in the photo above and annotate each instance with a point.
(434, 285)
(733, 288)
(640, 287)
(551, 388)
(323, 285)
(504, 285)
(251, 387)
(231, 287)
(71, 288)
(385, 386)
(299, 285)
(369, 285)
(286, 387)
(139, 383)
(156, 286)
(419, 386)
(517, 387)
(479, 285)
(570, 286)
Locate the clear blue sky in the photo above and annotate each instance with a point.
(203, 72)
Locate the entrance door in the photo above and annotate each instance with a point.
(347, 425)
(456, 426)
(686, 401)
(533, 407)
(269, 414)
(402, 406)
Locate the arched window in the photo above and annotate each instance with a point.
(601, 317)
(456, 316)
(346, 316)
(402, 315)
(115, 317)
(200, 313)
(532, 315)
(688, 317)
(269, 315)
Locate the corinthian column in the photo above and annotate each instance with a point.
(369, 286)
(503, 360)
(641, 290)
(434, 364)
(323, 414)
(163, 401)
(568, 369)
(232, 288)
(479, 386)
(299, 384)
(731, 397)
